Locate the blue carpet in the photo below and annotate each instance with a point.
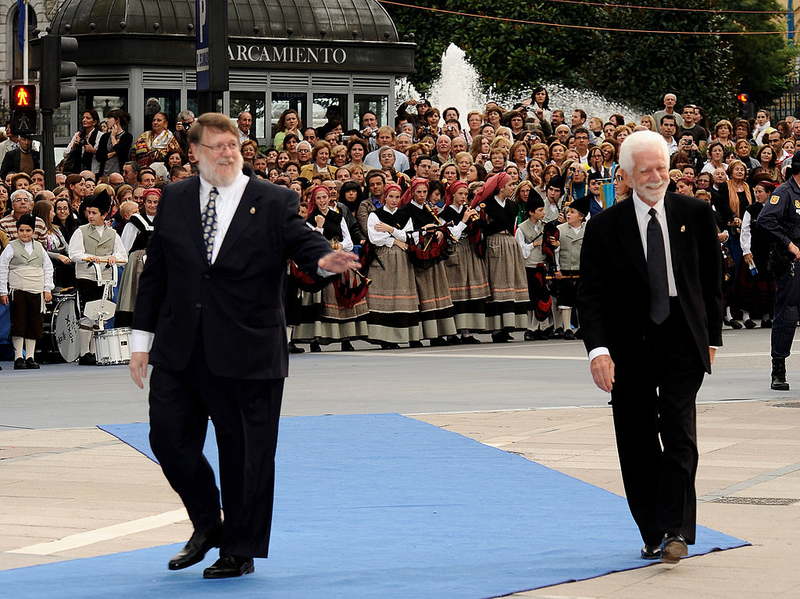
(383, 506)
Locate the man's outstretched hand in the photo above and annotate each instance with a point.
(339, 261)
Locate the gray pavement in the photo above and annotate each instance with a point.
(454, 379)
(69, 490)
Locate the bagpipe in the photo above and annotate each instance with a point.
(477, 232)
(434, 243)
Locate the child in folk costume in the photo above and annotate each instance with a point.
(530, 236)
(568, 262)
(95, 248)
(507, 308)
(324, 318)
(466, 271)
(135, 236)
(393, 300)
(26, 280)
(435, 303)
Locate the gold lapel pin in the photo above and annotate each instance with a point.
(683, 228)
(253, 210)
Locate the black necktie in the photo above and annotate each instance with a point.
(657, 270)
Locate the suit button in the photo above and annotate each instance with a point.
(198, 306)
(206, 277)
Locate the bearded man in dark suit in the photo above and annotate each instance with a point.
(210, 317)
(650, 303)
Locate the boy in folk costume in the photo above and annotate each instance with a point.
(568, 261)
(26, 280)
(94, 243)
(530, 237)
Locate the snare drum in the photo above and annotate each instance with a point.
(61, 324)
(112, 346)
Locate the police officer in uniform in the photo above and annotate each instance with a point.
(780, 221)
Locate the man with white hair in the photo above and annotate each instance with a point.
(670, 100)
(650, 300)
(21, 203)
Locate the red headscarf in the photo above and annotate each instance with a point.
(409, 194)
(452, 189)
(151, 191)
(490, 188)
(391, 186)
(312, 196)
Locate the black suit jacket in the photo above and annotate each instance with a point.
(238, 301)
(614, 291)
(11, 162)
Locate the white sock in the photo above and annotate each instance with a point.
(728, 313)
(566, 318)
(531, 321)
(30, 348)
(18, 346)
(745, 315)
(85, 338)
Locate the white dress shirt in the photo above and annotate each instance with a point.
(227, 202)
(642, 219)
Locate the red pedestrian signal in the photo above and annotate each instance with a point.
(23, 97)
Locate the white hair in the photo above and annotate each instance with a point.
(637, 142)
(21, 192)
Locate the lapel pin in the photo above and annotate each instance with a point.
(683, 228)
(253, 210)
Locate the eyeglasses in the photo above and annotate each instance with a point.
(219, 148)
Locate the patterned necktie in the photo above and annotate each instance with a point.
(657, 270)
(209, 218)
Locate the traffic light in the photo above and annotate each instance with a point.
(23, 109)
(747, 109)
(47, 58)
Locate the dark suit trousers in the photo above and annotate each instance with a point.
(245, 414)
(653, 404)
(787, 299)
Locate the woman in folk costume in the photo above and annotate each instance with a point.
(466, 271)
(324, 317)
(95, 248)
(393, 300)
(135, 236)
(435, 303)
(26, 280)
(507, 308)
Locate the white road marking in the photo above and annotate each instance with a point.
(106, 533)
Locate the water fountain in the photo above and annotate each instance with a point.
(459, 86)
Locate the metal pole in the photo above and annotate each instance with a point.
(48, 160)
(24, 20)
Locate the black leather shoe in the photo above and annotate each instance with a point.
(415, 344)
(528, 336)
(673, 548)
(293, 349)
(499, 338)
(470, 340)
(230, 566)
(387, 345)
(87, 359)
(750, 324)
(315, 348)
(439, 342)
(347, 346)
(651, 552)
(19, 364)
(778, 375)
(31, 365)
(766, 323)
(454, 340)
(569, 335)
(195, 550)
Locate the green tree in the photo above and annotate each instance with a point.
(635, 68)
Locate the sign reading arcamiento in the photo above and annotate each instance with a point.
(287, 54)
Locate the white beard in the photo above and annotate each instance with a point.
(653, 195)
(220, 172)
